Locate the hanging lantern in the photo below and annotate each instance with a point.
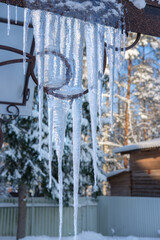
(60, 29)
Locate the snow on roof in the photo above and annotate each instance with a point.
(113, 173)
(139, 3)
(154, 143)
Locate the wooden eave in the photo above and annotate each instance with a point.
(118, 174)
(141, 149)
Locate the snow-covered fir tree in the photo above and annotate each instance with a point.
(136, 83)
(23, 164)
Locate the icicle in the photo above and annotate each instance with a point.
(92, 66)
(60, 106)
(60, 179)
(100, 56)
(27, 15)
(59, 124)
(111, 61)
(8, 20)
(50, 129)
(62, 44)
(124, 12)
(38, 20)
(124, 42)
(56, 43)
(52, 43)
(118, 39)
(77, 112)
(69, 43)
(16, 14)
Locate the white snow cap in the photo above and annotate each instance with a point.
(139, 3)
(154, 143)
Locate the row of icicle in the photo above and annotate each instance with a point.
(66, 36)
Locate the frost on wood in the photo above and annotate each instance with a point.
(59, 43)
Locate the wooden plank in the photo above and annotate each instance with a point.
(144, 194)
(126, 192)
(147, 191)
(146, 21)
(144, 152)
(145, 186)
(145, 176)
(147, 182)
(145, 164)
(151, 172)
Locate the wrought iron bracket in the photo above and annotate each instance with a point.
(138, 37)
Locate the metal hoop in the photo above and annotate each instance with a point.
(129, 47)
(68, 67)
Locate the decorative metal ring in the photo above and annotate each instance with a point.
(51, 91)
(11, 112)
(68, 67)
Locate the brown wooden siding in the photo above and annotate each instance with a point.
(120, 184)
(145, 168)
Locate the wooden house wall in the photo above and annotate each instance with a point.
(120, 184)
(145, 169)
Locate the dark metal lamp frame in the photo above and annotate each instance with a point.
(30, 59)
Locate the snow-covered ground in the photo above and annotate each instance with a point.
(82, 236)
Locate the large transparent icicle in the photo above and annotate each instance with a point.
(63, 30)
(110, 38)
(100, 56)
(92, 67)
(52, 43)
(61, 106)
(27, 15)
(59, 125)
(118, 40)
(38, 20)
(50, 130)
(77, 111)
(69, 44)
(124, 42)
